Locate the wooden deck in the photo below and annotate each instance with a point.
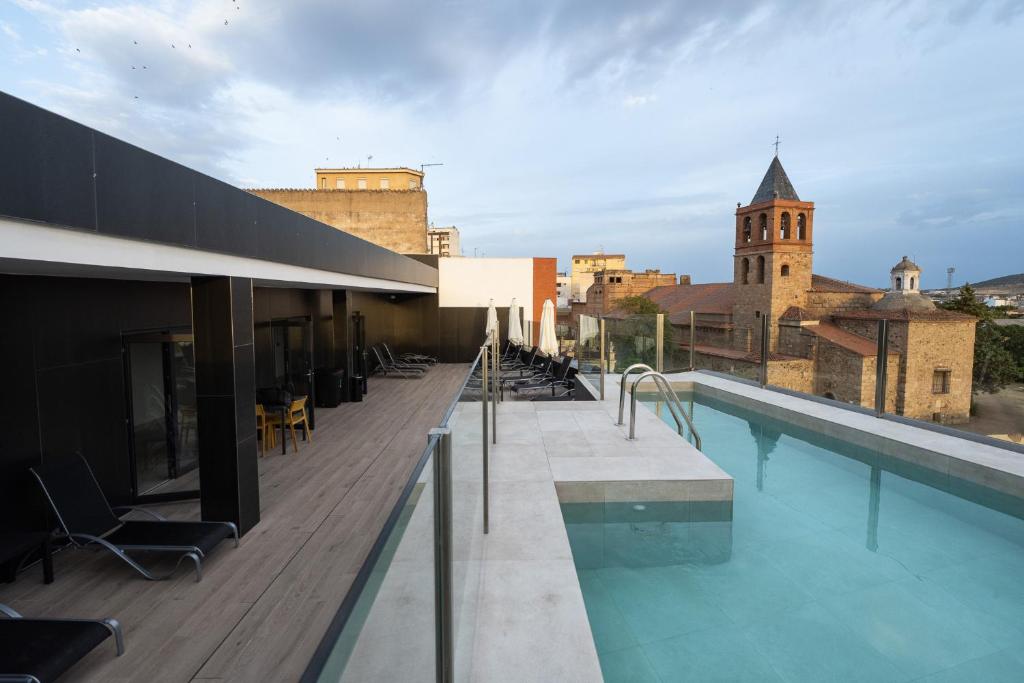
(261, 609)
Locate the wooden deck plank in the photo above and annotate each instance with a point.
(261, 609)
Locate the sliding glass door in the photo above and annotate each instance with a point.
(162, 424)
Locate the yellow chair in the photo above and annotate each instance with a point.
(264, 430)
(295, 416)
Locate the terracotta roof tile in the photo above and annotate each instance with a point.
(714, 297)
(862, 346)
(820, 283)
(937, 315)
(796, 313)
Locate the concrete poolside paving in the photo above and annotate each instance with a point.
(518, 605)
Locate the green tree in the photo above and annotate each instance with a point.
(994, 365)
(1015, 345)
(637, 305)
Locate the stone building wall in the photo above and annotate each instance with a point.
(822, 304)
(773, 297)
(393, 219)
(945, 344)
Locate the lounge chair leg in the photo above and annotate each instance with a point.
(234, 530)
(114, 626)
(199, 565)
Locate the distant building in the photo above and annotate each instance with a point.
(583, 268)
(823, 332)
(563, 286)
(386, 206)
(611, 286)
(444, 241)
(368, 179)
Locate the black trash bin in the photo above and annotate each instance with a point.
(355, 388)
(330, 387)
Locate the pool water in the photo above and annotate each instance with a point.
(835, 564)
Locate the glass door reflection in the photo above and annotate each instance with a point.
(162, 416)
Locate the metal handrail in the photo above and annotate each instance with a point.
(622, 386)
(671, 399)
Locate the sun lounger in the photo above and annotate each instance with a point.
(86, 519)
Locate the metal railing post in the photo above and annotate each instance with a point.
(881, 367)
(765, 345)
(445, 646)
(602, 360)
(659, 342)
(495, 389)
(693, 339)
(484, 360)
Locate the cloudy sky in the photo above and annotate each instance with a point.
(565, 126)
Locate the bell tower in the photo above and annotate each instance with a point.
(772, 258)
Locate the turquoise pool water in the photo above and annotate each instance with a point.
(837, 564)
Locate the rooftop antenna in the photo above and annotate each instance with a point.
(369, 158)
(776, 146)
(423, 166)
(949, 277)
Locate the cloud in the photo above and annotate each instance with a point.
(638, 100)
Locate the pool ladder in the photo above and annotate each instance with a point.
(667, 393)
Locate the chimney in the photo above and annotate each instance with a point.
(684, 279)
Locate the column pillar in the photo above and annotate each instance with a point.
(226, 400)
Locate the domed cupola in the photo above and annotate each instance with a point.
(905, 290)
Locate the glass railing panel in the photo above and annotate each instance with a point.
(631, 339)
(395, 606)
(588, 346)
(467, 434)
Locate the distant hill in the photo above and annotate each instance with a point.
(1004, 281)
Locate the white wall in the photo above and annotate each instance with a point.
(473, 282)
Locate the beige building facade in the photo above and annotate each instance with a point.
(368, 179)
(581, 272)
(444, 241)
(823, 332)
(611, 286)
(394, 217)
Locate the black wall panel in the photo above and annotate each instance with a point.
(46, 167)
(143, 196)
(64, 385)
(226, 220)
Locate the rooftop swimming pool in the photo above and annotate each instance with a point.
(835, 563)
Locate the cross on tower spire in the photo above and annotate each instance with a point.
(776, 143)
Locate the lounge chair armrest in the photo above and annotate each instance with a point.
(7, 611)
(122, 509)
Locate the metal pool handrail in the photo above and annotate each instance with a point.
(669, 394)
(622, 385)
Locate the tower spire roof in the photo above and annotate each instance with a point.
(775, 185)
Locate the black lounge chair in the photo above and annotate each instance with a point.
(410, 357)
(86, 518)
(40, 650)
(386, 367)
(554, 381)
(403, 362)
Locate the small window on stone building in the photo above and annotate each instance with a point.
(412, 184)
(361, 183)
(745, 271)
(801, 227)
(785, 271)
(760, 270)
(940, 381)
(746, 229)
(340, 183)
(784, 226)
(385, 183)
(899, 283)
(323, 183)
(911, 283)
(757, 314)
(763, 223)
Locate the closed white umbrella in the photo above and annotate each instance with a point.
(548, 342)
(515, 330)
(491, 328)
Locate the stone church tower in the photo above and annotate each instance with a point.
(772, 261)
